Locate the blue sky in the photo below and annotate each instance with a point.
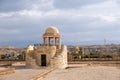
(81, 22)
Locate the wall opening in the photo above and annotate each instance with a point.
(43, 60)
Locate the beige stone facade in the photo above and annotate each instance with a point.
(50, 53)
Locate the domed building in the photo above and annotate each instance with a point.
(76, 49)
(50, 53)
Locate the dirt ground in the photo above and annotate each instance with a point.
(74, 72)
(85, 73)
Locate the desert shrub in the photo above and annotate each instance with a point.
(108, 56)
(86, 56)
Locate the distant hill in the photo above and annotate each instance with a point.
(11, 49)
(8, 47)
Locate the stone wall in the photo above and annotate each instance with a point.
(54, 57)
(60, 60)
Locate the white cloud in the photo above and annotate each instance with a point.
(108, 8)
(6, 14)
(5, 31)
(108, 11)
(43, 5)
(91, 22)
(109, 18)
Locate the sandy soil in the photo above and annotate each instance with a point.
(80, 72)
(1, 68)
(21, 73)
(85, 73)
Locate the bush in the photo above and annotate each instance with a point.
(2, 56)
(92, 53)
(86, 56)
(94, 56)
(108, 56)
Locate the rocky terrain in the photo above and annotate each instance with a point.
(8, 52)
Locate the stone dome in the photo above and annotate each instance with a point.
(52, 29)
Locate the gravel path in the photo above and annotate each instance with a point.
(85, 73)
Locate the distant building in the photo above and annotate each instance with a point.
(50, 53)
(94, 51)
